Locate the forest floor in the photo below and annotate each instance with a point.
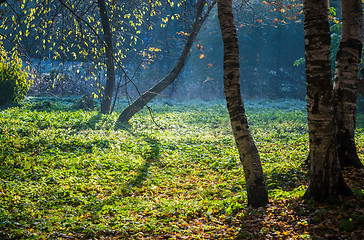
(70, 174)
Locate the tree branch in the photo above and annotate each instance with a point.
(101, 40)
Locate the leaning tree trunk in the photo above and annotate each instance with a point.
(146, 97)
(326, 178)
(249, 156)
(110, 81)
(346, 81)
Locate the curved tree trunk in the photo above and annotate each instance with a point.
(326, 178)
(110, 82)
(249, 156)
(146, 97)
(346, 81)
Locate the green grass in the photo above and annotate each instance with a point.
(71, 172)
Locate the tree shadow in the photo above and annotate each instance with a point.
(122, 126)
(287, 179)
(91, 123)
(280, 219)
(150, 157)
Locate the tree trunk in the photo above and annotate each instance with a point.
(346, 81)
(146, 97)
(326, 178)
(249, 156)
(110, 81)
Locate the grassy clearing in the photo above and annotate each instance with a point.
(71, 175)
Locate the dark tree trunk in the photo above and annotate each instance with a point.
(110, 81)
(326, 178)
(249, 156)
(346, 81)
(146, 97)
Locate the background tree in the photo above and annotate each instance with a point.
(109, 52)
(148, 36)
(48, 30)
(346, 81)
(326, 178)
(146, 97)
(266, 72)
(249, 156)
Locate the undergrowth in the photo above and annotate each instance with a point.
(71, 174)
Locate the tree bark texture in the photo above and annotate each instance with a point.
(326, 178)
(249, 156)
(147, 96)
(346, 81)
(110, 81)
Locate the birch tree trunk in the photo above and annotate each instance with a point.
(249, 156)
(110, 81)
(147, 96)
(346, 81)
(326, 178)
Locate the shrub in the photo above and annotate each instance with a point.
(86, 102)
(14, 84)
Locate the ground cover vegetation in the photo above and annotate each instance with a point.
(70, 174)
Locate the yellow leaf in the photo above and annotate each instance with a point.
(259, 20)
(202, 56)
(153, 49)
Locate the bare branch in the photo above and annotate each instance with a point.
(99, 38)
(107, 49)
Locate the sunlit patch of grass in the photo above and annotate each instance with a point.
(71, 172)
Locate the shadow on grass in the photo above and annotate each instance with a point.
(6, 106)
(150, 157)
(280, 219)
(98, 121)
(91, 123)
(286, 179)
